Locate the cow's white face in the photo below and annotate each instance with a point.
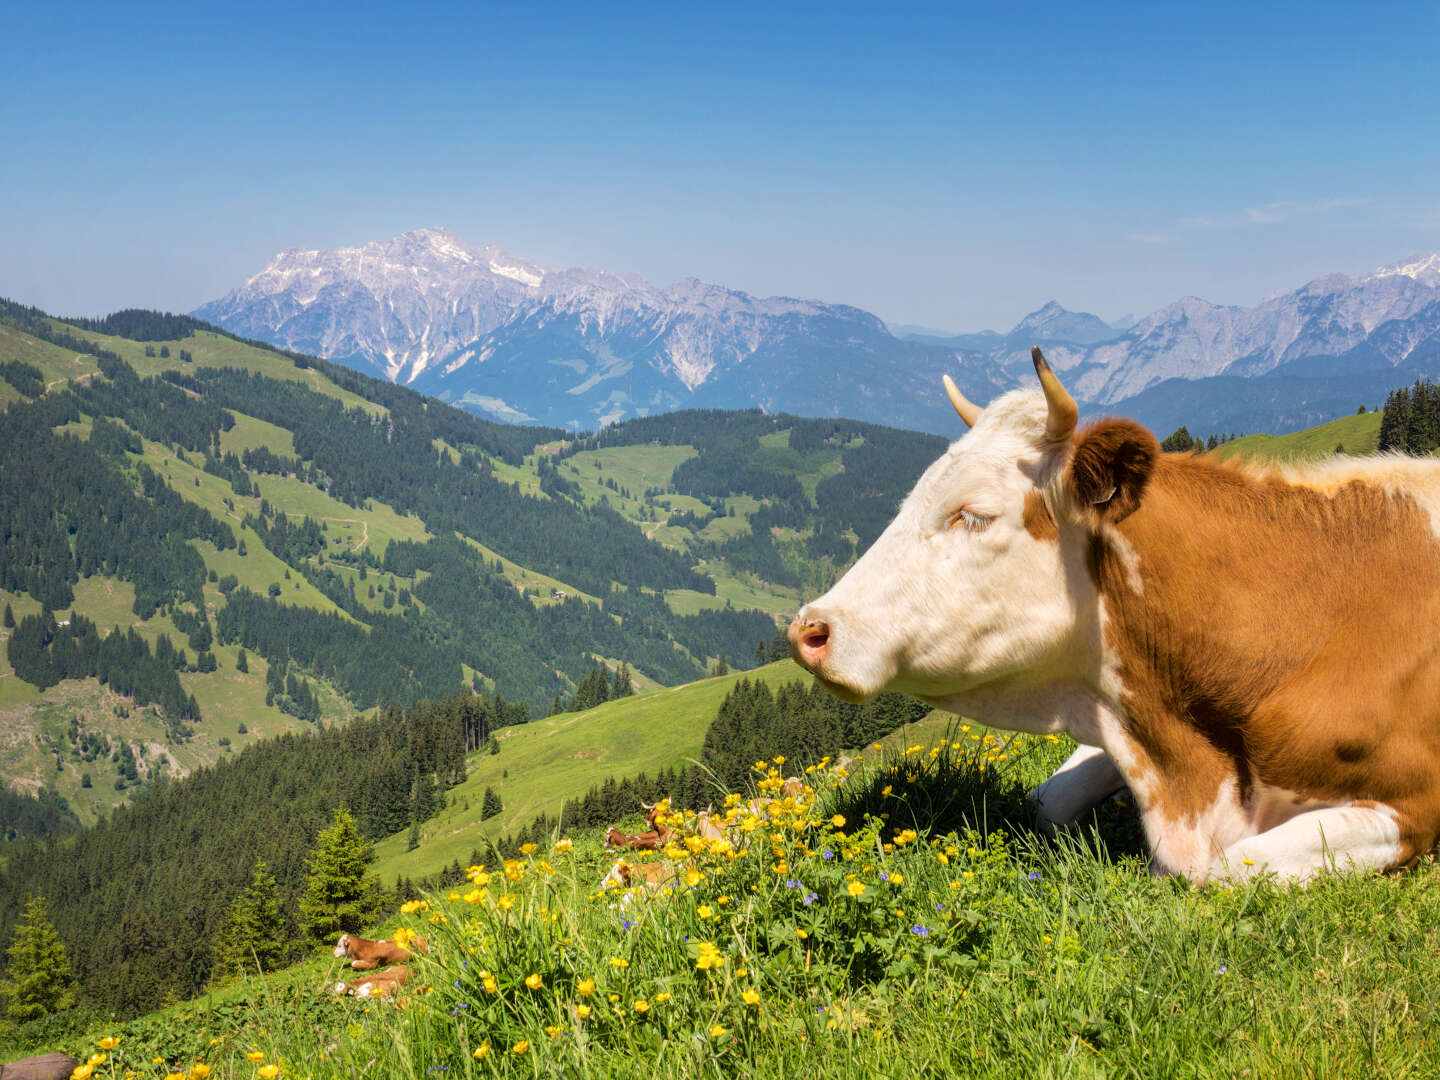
(958, 596)
(342, 947)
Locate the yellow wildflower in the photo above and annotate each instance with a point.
(506, 902)
(109, 1042)
(199, 1070)
(750, 997)
(82, 1072)
(586, 987)
(660, 999)
(533, 981)
(403, 936)
(564, 845)
(619, 962)
(838, 821)
(642, 1006)
(897, 879)
(255, 1057)
(944, 859)
(885, 791)
(716, 1031)
(482, 1050)
(705, 911)
(693, 877)
(412, 906)
(801, 934)
(268, 1072)
(96, 1058)
(582, 1011)
(855, 888)
(527, 849)
(521, 1047)
(554, 1030)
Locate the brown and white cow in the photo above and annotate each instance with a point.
(1252, 650)
(639, 877)
(381, 984)
(366, 954)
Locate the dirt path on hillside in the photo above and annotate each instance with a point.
(364, 530)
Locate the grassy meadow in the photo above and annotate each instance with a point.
(543, 763)
(906, 920)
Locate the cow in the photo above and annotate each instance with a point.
(381, 984)
(1250, 649)
(366, 954)
(656, 838)
(649, 877)
(646, 841)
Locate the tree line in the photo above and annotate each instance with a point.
(140, 898)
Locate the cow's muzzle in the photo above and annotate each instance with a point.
(809, 641)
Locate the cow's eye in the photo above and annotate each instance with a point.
(965, 518)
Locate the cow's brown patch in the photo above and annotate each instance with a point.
(1282, 635)
(1037, 519)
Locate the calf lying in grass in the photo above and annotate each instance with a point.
(381, 984)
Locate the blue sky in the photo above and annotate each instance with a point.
(953, 166)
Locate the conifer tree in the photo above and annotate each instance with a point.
(9, 618)
(490, 805)
(253, 935)
(338, 897)
(39, 980)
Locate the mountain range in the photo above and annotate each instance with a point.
(510, 339)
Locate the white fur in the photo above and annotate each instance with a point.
(942, 612)
(1088, 777)
(1343, 838)
(341, 946)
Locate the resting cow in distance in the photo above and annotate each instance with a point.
(381, 984)
(1251, 650)
(366, 954)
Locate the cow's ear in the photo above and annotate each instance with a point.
(1109, 467)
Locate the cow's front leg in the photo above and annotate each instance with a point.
(1342, 838)
(363, 965)
(1088, 777)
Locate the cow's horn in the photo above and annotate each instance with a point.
(1063, 410)
(968, 410)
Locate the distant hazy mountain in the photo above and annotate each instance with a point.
(514, 340)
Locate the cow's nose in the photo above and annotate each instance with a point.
(809, 639)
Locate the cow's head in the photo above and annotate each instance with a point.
(981, 579)
(342, 947)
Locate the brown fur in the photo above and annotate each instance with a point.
(1037, 519)
(366, 954)
(646, 841)
(1283, 633)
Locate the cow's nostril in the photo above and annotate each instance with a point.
(809, 639)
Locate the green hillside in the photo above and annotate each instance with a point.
(660, 546)
(1354, 435)
(543, 763)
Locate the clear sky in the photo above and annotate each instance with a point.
(953, 166)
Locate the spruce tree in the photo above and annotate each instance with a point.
(490, 805)
(9, 618)
(338, 897)
(39, 979)
(253, 935)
